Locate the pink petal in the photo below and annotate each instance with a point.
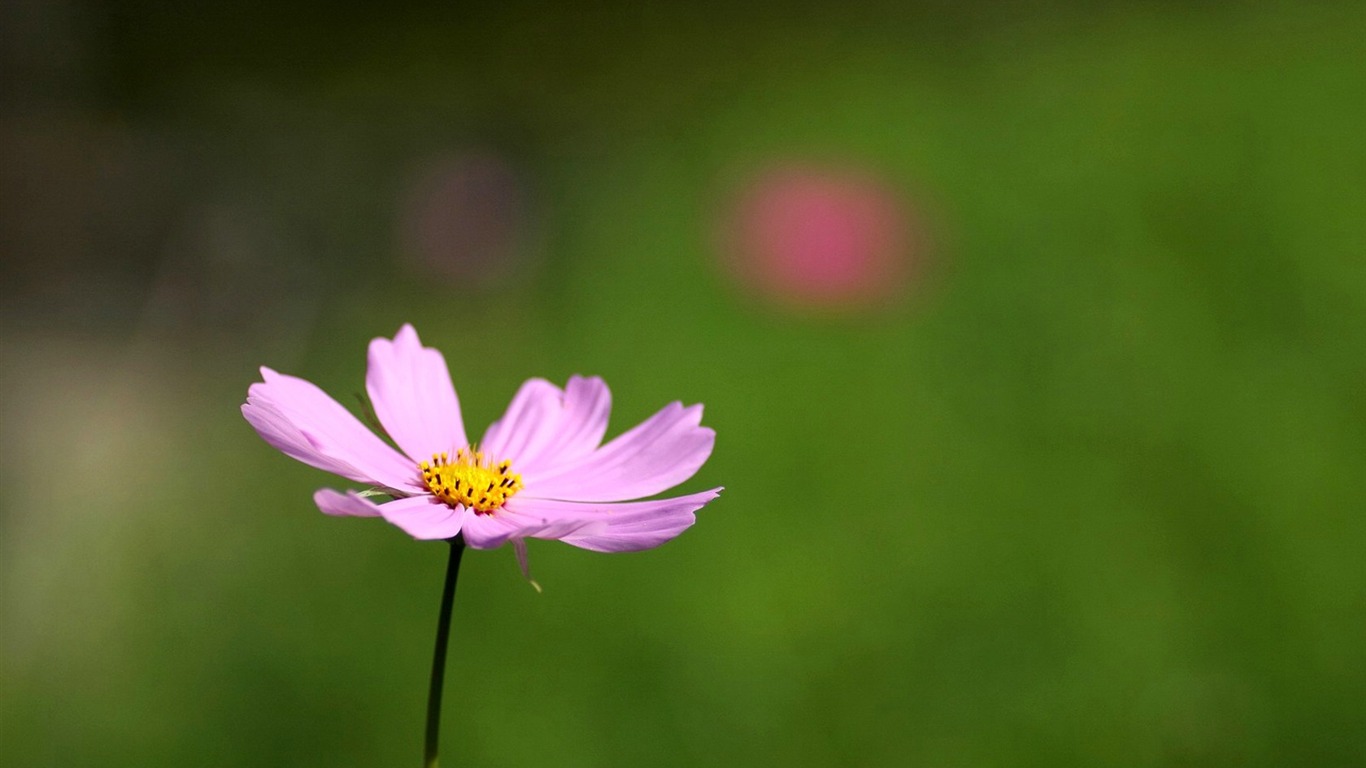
(423, 517)
(656, 455)
(527, 426)
(491, 531)
(587, 404)
(345, 504)
(544, 426)
(410, 388)
(627, 527)
(303, 422)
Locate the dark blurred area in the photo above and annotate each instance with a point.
(1032, 335)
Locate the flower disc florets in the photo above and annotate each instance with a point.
(471, 480)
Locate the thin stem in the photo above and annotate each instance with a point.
(443, 634)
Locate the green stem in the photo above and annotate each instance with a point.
(443, 635)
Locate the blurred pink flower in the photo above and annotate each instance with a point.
(541, 471)
(821, 238)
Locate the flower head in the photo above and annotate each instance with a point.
(542, 471)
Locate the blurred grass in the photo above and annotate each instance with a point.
(1091, 497)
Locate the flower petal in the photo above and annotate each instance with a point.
(494, 530)
(626, 527)
(424, 517)
(410, 388)
(527, 425)
(544, 426)
(587, 404)
(302, 421)
(656, 455)
(349, 504)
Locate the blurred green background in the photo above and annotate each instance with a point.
(1087, 489)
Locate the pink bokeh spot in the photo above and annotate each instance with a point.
(821, 237)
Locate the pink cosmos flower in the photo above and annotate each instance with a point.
(541, 471)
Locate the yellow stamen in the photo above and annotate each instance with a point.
(471, 480)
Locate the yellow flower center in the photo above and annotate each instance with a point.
(471, 480)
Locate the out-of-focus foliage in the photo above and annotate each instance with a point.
(1089, 492)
